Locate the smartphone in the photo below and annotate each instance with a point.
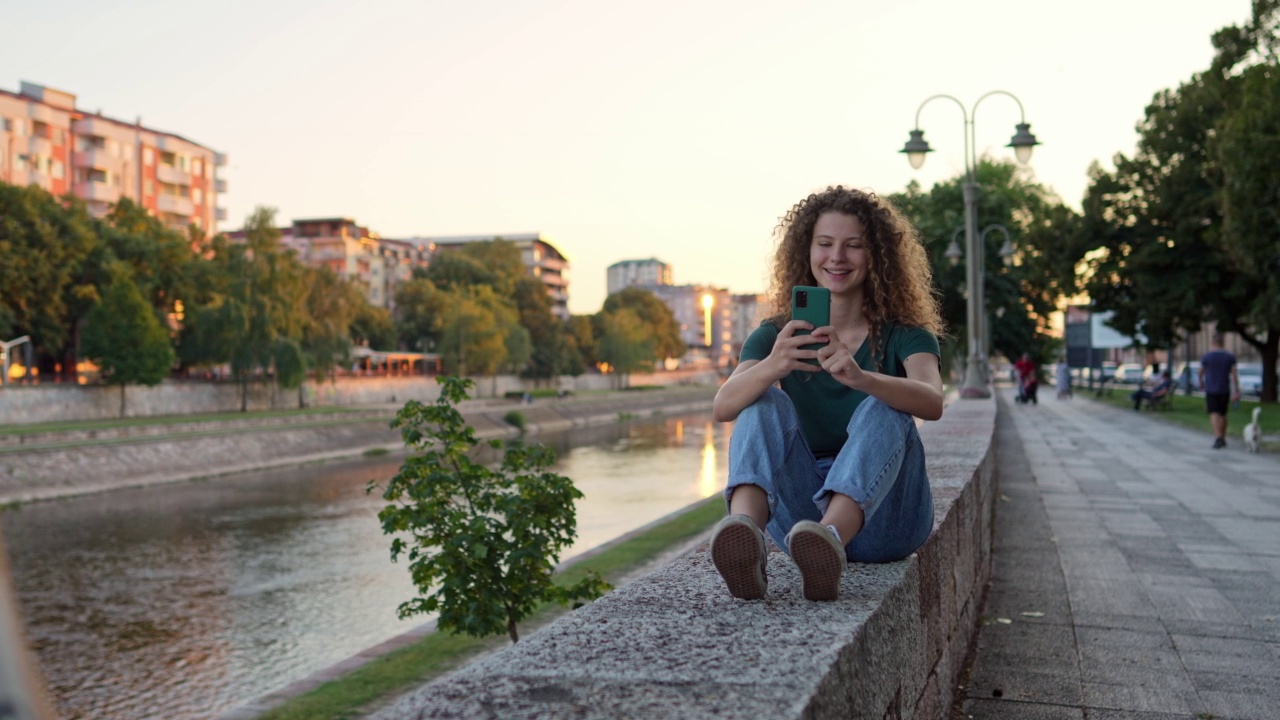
(813, 305)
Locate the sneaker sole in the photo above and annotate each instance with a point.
(735, 552)
(820, 566)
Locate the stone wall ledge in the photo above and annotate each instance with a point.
(674, 644)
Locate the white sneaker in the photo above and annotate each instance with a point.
(739, 553)
(820, 557)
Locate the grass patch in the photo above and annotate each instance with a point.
(439, 653)
(376, 452)
(1188, 411)
(515, 419)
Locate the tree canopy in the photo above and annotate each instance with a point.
(1184, 230)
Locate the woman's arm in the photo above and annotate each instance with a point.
(919, 393)
(752, 377)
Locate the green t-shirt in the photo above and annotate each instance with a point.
(825, 405)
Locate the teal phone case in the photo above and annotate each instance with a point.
(813, 305)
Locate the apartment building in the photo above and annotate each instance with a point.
(543, 261)
(47, 141)
(644, 273)
(352, 251)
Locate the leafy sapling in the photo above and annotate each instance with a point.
(482, 542)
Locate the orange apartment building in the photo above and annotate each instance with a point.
(46, 141)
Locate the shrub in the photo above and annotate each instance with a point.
(482, 542)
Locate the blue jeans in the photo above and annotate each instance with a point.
(881, 467)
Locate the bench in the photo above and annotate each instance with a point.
(1160, 402)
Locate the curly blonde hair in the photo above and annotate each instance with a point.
(899, 287)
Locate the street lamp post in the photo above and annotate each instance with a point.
(975, 380)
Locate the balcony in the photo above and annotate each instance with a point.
(98, 159)
(102, 128)
(97, 192)
(172, 175)
(220, 159)
(37, 145)
(219, 185)
(175, 204)
(220, 214)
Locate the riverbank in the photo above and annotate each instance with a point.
(42, 462)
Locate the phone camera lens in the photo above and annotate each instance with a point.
(802, 299)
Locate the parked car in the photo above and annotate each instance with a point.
(1188, 376)
(1250, 378)
(1130, 373)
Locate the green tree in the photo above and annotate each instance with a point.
(332, 305)
(44, 289)
(550, 353)
(256, 301)
(419, 308)
(1174, 236)
(654, 316)
(626, 344)
(473, 338)
(482, 542)
(125, 338)
(582, 335)
(1021, 297)
(161, 260)
(373, 326)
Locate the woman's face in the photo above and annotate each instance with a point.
(837, 253)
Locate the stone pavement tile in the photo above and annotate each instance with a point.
(1225, 559)
(1132, 698)
(1260, 536)
(1093, 561)
(1263, 631)
(1133, 523)
(1225, 655)
(1100, 487)
(1113, 656)
(1110, 595)
(1058, 685)
(1077, 531)
(1004, 710)
(1100, 714)
(1134, 623)
(1175, 600)
(1025, 644)
(1157, 555)
(1232, 695)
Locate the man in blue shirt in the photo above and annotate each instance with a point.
(1221, 385)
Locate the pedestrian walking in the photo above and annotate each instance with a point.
(1220, 382)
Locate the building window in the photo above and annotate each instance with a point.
(148, 187)
(198, 196)
(56, 170)
(148, 156)
(197, 167)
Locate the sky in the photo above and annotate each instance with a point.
(675, 129)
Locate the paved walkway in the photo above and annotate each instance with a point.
(1137, 571)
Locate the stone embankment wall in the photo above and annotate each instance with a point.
(41, 465)
(676, 645)
(61, 403)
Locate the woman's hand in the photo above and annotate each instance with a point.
(837, 359)
(788, 355)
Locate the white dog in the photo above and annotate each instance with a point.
(1253, 431)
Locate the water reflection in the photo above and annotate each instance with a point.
(184, 601)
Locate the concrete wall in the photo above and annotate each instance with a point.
(59, 403)
(676, 645)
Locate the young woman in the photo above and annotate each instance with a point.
(825, 454)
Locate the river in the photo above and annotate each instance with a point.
(185, 601)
